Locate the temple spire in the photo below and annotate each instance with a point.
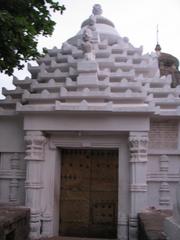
(158, 47)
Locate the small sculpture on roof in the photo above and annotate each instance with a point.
(97, 9)
(92, 22)
(86, 44)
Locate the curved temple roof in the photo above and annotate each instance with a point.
(97, 71)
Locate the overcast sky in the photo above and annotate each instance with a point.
(136, 19)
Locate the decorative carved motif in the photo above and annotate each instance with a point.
(34, 146)
(138, 144)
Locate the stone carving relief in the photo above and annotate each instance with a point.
(138, 147)
(86, 44)
(90, 35)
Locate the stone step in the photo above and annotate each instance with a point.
(72, 238)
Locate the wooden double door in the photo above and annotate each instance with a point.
(88, 197)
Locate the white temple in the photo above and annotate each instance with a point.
(92, 138)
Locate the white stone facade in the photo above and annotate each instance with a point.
(97, 91)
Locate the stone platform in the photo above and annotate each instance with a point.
(71, 238)
(14, 222)
(151, 224)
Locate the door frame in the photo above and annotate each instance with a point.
(89, 140)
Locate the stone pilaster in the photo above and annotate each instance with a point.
(164, 191)
(14, 183)
(34, 161)
(138, 144)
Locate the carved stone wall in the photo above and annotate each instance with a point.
(163, 135)
(12, 177)
(163, 163)
(162, 176)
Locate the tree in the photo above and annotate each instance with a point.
(21, 22)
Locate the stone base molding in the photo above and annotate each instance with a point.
(123, 227)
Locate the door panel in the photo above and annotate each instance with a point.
(75, 211)
(88, 203)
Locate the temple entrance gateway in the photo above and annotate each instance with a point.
(89, 193)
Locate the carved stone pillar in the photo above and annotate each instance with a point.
(138, 144)
(34, 161)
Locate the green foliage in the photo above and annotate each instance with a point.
(21, 22)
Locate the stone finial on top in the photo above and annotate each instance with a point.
(97, 9)
(157, 48)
